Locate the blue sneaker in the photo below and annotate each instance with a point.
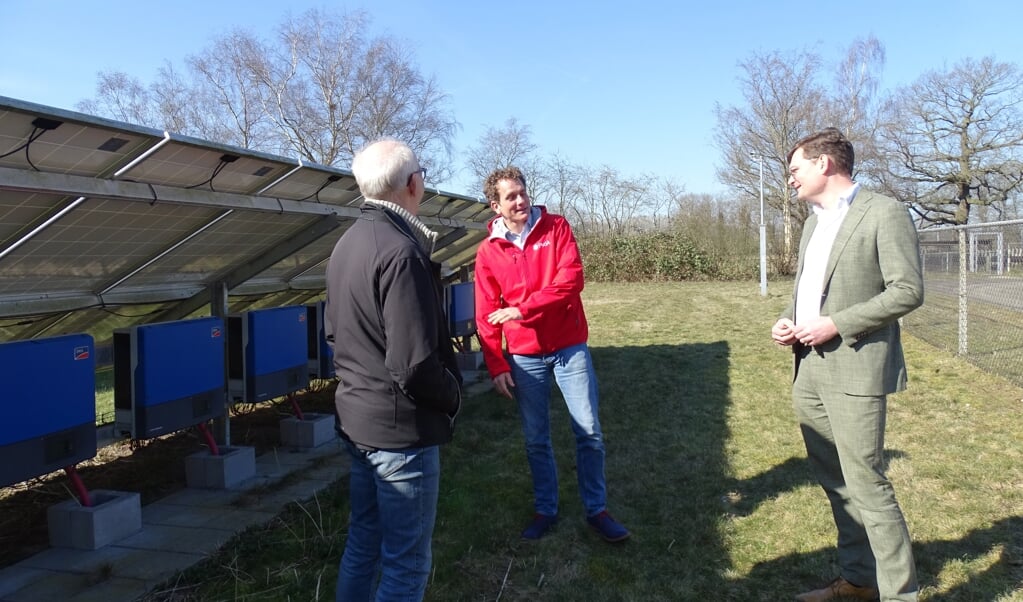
(540, 526)
(608, 528)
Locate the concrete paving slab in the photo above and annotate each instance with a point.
(112, 589)
(154, 566)
(178, 539)
(172, 515)
(283, 459)
(199, 498)
(17, 576)
(113, 561)
(178, 531)
(273, 500)
(61, 586)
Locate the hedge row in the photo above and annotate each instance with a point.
(659, 257)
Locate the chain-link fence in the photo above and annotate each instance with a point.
(973, 306)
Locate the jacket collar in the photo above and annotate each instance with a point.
(422, 233)
(499, 230)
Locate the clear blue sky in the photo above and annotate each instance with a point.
(628, 84)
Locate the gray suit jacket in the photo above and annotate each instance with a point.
(872, 279)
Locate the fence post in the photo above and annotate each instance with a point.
(963, 347)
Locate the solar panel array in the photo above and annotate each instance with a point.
(105, 224)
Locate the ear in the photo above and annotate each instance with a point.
(826, 164)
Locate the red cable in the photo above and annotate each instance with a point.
(294, 405)
(79, 486)
(214, 450)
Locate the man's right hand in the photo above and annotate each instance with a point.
(783, 332)
(503, 383)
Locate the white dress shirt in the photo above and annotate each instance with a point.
(810, 290)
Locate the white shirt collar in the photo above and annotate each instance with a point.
(841, 206)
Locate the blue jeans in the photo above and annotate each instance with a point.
(394, 506)
(572, 368)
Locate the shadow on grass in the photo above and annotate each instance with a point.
(663, 413)
(798, 572)
(787, 476)
(1002, 578)
(1005, 575)
(664, 410)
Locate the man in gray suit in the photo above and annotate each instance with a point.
(859, 272)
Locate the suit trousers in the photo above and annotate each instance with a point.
(844, 438)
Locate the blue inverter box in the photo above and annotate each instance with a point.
(169, 376)
(460, 308)
(321, 355)
(267, 353)
(48, 404)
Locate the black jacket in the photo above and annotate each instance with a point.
(400, 384)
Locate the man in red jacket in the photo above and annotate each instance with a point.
(528, 282)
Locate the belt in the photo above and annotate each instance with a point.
(802, 351)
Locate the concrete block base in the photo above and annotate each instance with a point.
(203, 470)
(471, 360)
(113, 516)
(313, 430)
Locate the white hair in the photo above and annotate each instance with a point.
(383, 167)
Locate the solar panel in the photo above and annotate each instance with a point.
(97, 214)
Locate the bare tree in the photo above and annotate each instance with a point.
(506, 146)
(854, 106)
(954, 140)
(595, 201)
(614, 202)
(224, 86)
(720, 225)
(321, 89)
(856, 84)
(562, 187)
(179, 108)
(785, 100)
(123, 97)
(333, 91)
(666, 196)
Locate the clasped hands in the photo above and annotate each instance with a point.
(815, 332)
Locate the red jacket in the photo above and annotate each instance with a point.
(543, 280)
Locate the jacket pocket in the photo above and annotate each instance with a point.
(453, 414)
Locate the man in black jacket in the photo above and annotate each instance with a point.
(400, 386)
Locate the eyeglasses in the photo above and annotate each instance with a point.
(421, 170)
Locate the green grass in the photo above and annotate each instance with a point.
(104, 396)
(704, 464)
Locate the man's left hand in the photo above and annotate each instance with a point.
(816, 332)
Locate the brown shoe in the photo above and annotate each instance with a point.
(839, 589)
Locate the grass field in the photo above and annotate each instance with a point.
(704, 464)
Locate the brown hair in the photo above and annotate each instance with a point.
(505, 173)
(830, 142)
